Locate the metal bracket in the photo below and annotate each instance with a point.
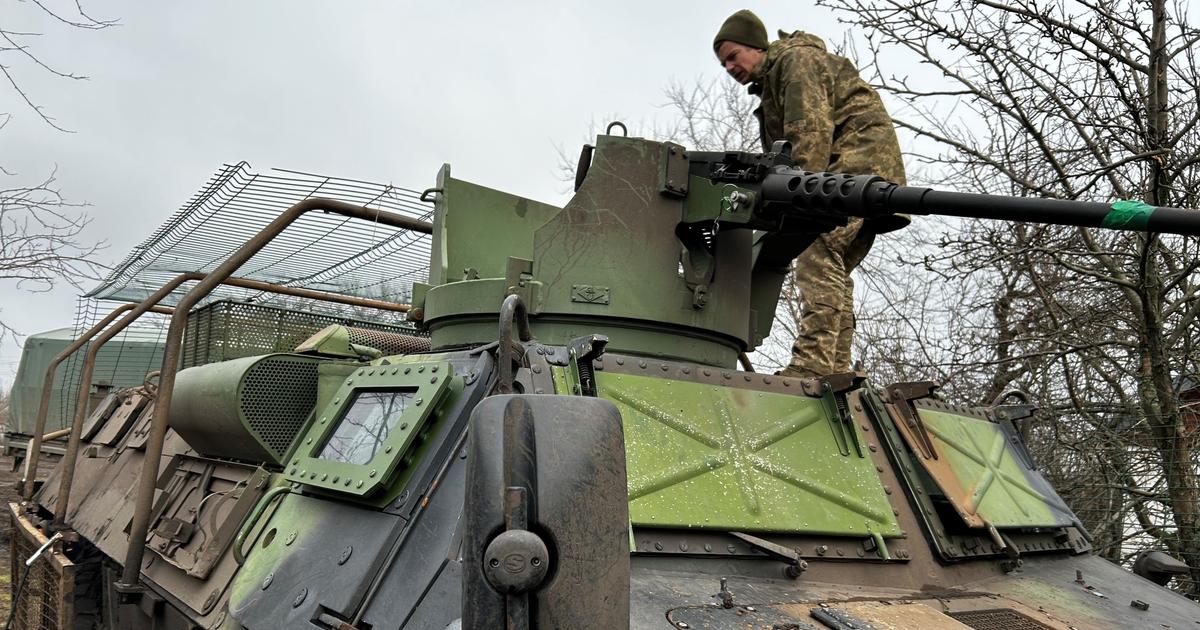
(795, 564)
(833, 388)
(582, 352)
(673, 176)
(901, 396)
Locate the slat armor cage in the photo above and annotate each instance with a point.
(227, 329)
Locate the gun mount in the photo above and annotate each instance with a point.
(575, 448)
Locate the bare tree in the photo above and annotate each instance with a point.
(41, 233)
(1087, 99)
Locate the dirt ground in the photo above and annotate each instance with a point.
(9, 492)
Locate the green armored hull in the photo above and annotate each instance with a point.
(574, 447)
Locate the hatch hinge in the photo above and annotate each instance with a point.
(901, 396)
(833, 398)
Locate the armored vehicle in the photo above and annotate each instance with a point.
(574, 445)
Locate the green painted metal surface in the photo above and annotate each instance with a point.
(986, 478)
(366, 435)
(724, 458)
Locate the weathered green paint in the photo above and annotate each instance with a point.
(988, 481)
(724, 458)
(430, 380)
(487, 226)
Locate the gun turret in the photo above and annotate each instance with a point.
(674, 253)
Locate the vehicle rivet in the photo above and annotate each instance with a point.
(387, 449)
(335, 479)
(707, 372)
(407, 370)
(291, 538)
(642, 364)
(681, 624)
(337, 400)
(308, 441)
(418, 402)
(767, 380)
(347, 482)
(421, 369)
(731, 548)
(683, 546)
(840, 552)
(349, 381)
(326, 476)
(658, 546)
(707, 547)
(346, 551)
(858, 406)
(861, 553)
(292, 471)
(433, 369)
(395, 371)
(266, 583)
(359, 484)
(433, 380)
(300, 597)
(312, 475)
(324, 419)
(747, 377)
(879, 469)
(537, 369)
(727, 375)
(372, 473)
(620, 361)
(873, 447)
(663, 367)
(887, 489)
(865, 427)
(403, 426)
(750, 608)
(822, 550)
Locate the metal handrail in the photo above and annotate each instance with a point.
(158, 427)
(71, 456)
(39, 426)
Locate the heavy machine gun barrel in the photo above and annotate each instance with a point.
(868, 196)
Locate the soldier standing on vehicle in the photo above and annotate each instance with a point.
(835, 122)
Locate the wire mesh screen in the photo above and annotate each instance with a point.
(44, 600)
(230, 330)
(320, 251)
(122, 362)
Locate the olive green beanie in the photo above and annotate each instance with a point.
(743, 27)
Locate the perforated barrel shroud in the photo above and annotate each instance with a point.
(227, 329)
(389, 342)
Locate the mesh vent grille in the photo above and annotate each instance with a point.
(277, 397)
(227, 330)
(388, 343)
(997, 619)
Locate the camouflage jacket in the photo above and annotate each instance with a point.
(834, 120)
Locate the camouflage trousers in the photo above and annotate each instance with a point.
(822, 275)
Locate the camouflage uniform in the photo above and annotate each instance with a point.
(835, 122)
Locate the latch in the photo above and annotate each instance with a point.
(833, 399)
(582, 352)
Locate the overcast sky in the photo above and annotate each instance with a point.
(380, 91)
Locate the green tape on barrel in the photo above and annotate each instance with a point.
(1128, 215)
